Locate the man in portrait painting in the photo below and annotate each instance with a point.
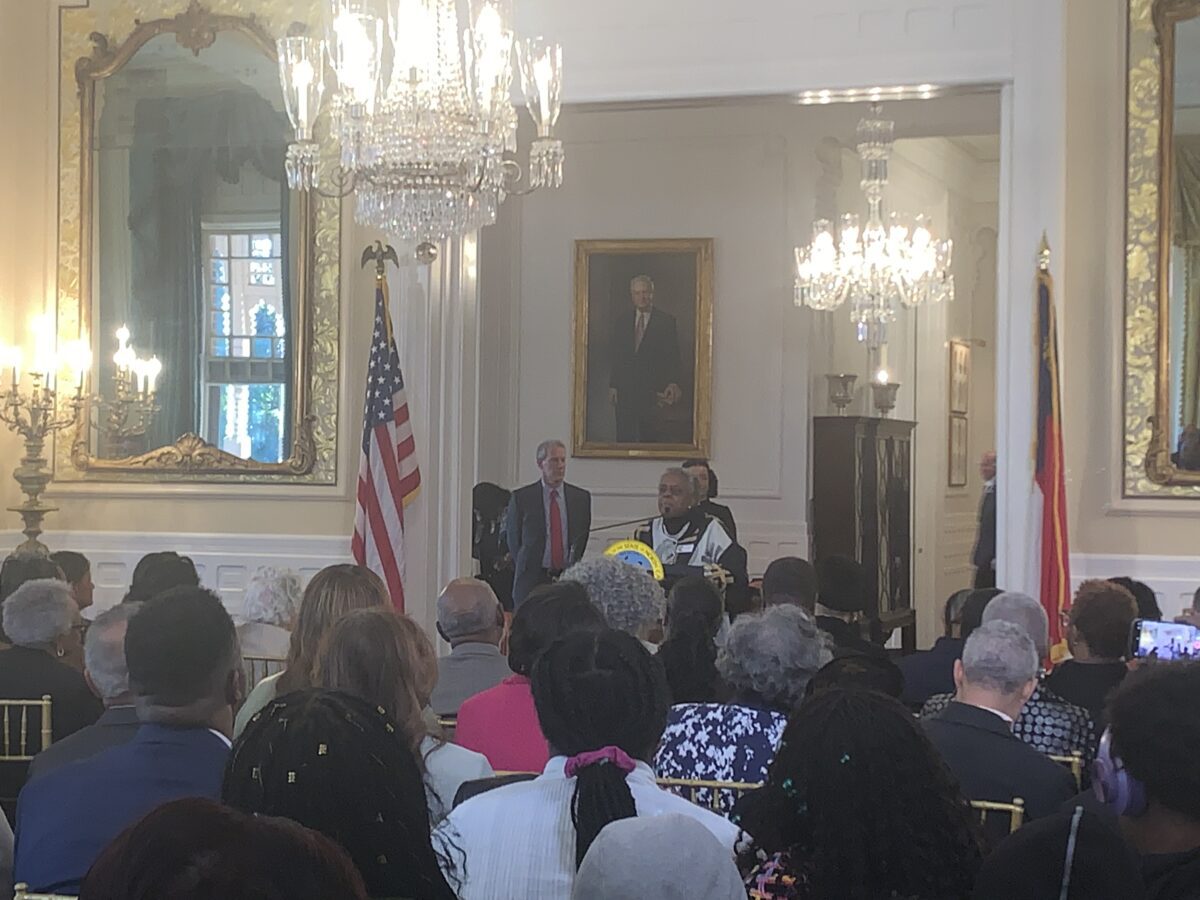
(645, 366)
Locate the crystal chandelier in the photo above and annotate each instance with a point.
(878, 268)
(421, 112)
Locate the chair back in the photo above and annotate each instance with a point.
(259, 667)
(448, 725)
(1074, 762)
(1014, 810)
(719, 796)
(20, 892)
(21, 740)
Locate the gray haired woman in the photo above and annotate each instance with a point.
(628, 597)
(765, 664)
(42, 620)
(271, 599)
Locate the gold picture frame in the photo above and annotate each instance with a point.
(642, 391)
(958, 451)
(960, 377)
(88, 55)
(1148, 470)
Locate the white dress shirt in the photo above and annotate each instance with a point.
(519, 843)
(447, 766)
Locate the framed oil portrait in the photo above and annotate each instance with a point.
(958, 451)
(643, 348)
(960, 377)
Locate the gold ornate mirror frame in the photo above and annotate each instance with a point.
(313, 454)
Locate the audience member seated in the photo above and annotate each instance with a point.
(332, 593)
(1072, 855)
(387, 660)
(159, 572)
(793, 580)
(471, 620)
(1146, 773)
(858, 804)
(692, 621)
(19, 568)
(78, 574)
(43, 623)
(602, 703)
(1143, 596)
(841, 600)
(870, 673)
(200, 850)
(269, 613)
(995, 678)
(337, 764)
(106, 674)
(1048, 723)
(667, 857)
(629, 597)
(186, 676)
(766, 664)
(931, 671)
(501, 722)
(1098, 637)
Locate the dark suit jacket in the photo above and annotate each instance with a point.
(992, 764)
(115, 727)
(653, 365)
(930, 671)
(985, 544)
(27, 674)
(66, 818)
(847, 638)
(525, 526)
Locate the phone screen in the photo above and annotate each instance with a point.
(1165, 640)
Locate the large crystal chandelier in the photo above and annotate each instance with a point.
(877, 268)
(422, 112)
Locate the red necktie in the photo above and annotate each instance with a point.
(557, 560)
(639, 332)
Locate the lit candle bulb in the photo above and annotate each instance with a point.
(10, 358)
(153, 370)
(882, 376)
(77, 355)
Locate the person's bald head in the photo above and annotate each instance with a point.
(467, 610)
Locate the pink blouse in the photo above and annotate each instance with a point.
(502, 724)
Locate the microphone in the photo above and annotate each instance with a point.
(641, 521)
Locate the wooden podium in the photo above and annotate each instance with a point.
(862, 508)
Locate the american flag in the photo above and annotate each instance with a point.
(388, 476)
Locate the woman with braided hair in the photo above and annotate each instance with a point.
(858, 805)
(689, 653)
(602, 704)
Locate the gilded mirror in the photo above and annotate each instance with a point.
(206, 287)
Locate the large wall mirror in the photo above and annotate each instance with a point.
(201, 276)
(1162, 302)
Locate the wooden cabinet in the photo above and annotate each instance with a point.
(862, 508)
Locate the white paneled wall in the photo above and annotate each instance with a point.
(1173, 578)
(224, 561)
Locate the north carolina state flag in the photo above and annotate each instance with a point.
(1049, 478)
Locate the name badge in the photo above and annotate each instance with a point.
(686, 548)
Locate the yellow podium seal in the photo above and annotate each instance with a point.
(635, 553)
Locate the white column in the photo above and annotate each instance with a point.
(1033, 200)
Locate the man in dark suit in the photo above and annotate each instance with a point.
(984, 557)
(185, 671)
(841, 601)
(645, 366)
(995, 677)
(547, 523)
(106, 674)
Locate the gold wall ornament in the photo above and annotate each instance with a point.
(89, 52)
(1147, 469)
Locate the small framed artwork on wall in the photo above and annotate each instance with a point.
(958, 451)
(960, 377)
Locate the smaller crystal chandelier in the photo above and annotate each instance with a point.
(880, 267)
(421, 111)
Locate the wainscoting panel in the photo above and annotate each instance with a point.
(1173, 578)
(224, 561)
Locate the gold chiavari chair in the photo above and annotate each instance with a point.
(447, 724)
(20, 892)
(259, 667)
(695, 790)
(16, 739)
(1015, 810)
(1074, 762)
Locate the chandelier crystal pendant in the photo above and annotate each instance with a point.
(422, 112)
(878, 268)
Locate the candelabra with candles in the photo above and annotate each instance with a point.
(134, 402)
(32, 405)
